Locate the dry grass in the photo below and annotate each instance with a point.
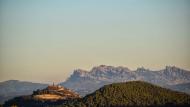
(48, 97)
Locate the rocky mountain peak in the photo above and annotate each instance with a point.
(101, 68)
(172, 70)
(142, 69)
(106, 69)
(80, 72)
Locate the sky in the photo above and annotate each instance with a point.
(45, 40)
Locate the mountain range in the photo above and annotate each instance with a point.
(85, 82)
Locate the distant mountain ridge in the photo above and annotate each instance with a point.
(184, 87)
(12, 88)
(85, 82)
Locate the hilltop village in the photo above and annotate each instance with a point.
(54, 92)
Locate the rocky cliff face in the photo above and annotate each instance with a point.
(85, 82)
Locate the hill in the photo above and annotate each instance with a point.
(51, 95)
(85, 82)
(132, 94)
(54, 92)
(12, 88)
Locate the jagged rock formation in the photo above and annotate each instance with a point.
(85, 82)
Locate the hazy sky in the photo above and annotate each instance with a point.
(45, 40)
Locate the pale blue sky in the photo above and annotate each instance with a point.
(45, 40)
